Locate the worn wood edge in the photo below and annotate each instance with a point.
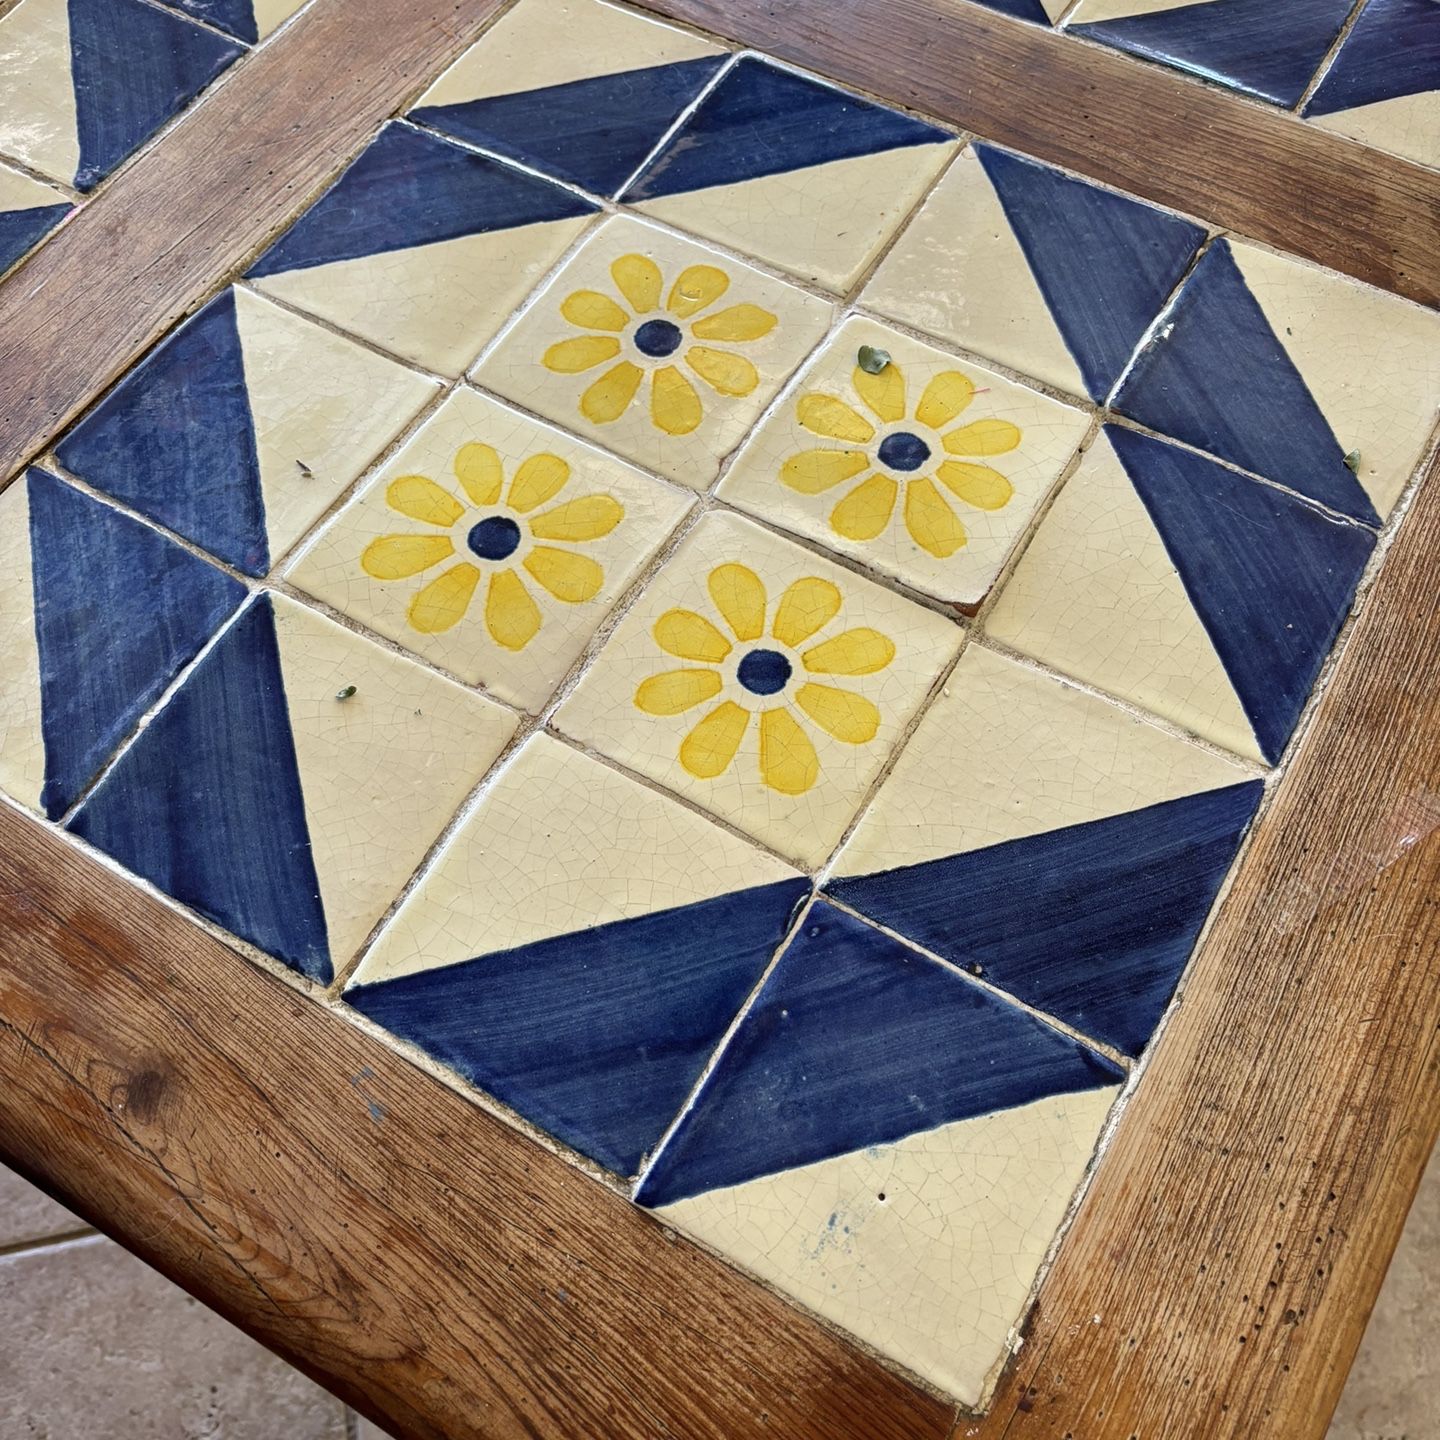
(1244, 166)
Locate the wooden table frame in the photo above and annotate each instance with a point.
(448, 1276)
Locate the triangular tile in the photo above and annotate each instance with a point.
(234, 17)
(1021, 9)
(1393, 51)
(22, 230)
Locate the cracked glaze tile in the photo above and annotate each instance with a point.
(762, 682)
(889, 1144)
(928, 471)
(247, 20)
(579, 949)
(492, 545)
(290, 786)
(29, 211)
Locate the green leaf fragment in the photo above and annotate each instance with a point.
(346, 693)
(872, 359)
(1352, 462)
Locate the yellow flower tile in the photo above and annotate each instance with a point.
(762, 682)
(660, 349)
(929, 471)
(491, 545)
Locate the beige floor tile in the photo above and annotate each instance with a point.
(28, 1214)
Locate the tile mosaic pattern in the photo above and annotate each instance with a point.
(29, 211)
(247, 20)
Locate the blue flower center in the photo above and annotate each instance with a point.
(658, 338)
(495, 538)
(903, 451)
(764, 672)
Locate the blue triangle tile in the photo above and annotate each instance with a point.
(119, 611)
(1031, 10)
(133, 67)
(1105, 264)
(22, 230)
(1090, 923)
(1223, 381)
(1393, 51)
(592, 132)
(176, 440)
(1270, 577)
(207, 805)
(596, 1036)
(858, 1040)
(234, 17)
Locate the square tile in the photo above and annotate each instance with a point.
(423, 247)
(577, 89)
(793, 171)
(1287, 370)
(662, 350)
(291, 785)
(1206, 597)
(742, 626)
(1026, 265)
(29, 211)
(889, 1144)
(248, 21)
(554, 529)
(243, 427)
(929, 471)
(1059, 846)
(579, 949)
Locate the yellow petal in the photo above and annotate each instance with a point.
(676, 691)
(639, 281)
(976, 485)
(593, 311)
(841, 713)
(540, 478)
(587, 518)
(983, 437)
(788, 762)
(710, 747)
(478, 469)
(442, 603)
(862, 651)
(584, 352)
(569, 577)
(813, 471)
(932, 524)
(806, 606)
(422, 499)
(834, 419)
(883, 393)
(689, 636)
(608, 398)
(866, 510)
(511, 616)
(697, 287)
(737, 322)
(727, 373)
(944, 398)
(739, 595)
(674, 405)
(397, 557)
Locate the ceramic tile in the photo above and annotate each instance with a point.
(1023, 264)
(243, 427)
(929, 471)
(247, 20)
(1296, 375)
(274, 798)
(889, 1144)
(1384, 85)
(662, 350)
(1266, 50)
(742, 626)
(794, 172)
(575, 88)
(1066, 850)
(579, 949)
(1040, 12)
(555, 530)
(87, 82)
(423, 247)
(1204, 596)
(98, 613)
(29, 211)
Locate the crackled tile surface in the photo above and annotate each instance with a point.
(246, 20)
(29, 211)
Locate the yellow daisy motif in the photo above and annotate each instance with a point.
(765, 674)
(898, 449)
(649, 341)
(493, 540)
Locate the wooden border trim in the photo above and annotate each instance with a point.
(1240, 164)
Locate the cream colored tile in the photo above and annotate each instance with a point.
(38, 126)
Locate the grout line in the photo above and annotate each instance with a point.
(1327, 60)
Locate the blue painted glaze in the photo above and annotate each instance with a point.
(1270, 577)
(658, 338)
(22, 230)
(596, 1036)
(119, 610)
(497, 537)
(857, 1040)
(1031, 10)
(207, 804)
(764, 672)
(903, 451)
(1091, 923)
(235, 17)
(1393, 51)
